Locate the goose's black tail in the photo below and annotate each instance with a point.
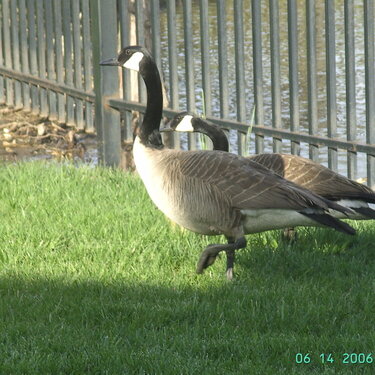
(365, 211)
(330, 221)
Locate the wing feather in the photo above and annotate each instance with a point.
(314, 177)
(246, 184)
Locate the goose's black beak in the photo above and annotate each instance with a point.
(113, 62)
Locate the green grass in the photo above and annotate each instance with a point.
(94, 280)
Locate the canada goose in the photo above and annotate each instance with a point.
(215, 192)
(303, 172)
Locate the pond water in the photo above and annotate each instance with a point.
(302, 70)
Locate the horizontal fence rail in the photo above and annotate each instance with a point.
(299, 73)
(242, 128)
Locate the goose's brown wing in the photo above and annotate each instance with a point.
(314, 177)
(247, 184)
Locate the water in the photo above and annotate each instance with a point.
(302, 67)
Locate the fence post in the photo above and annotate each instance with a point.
(104, 44)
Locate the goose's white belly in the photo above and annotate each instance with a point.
(268, 219)
(151, 164)
(147, 163)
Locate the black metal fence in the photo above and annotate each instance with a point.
(46, 59)
(305, 69)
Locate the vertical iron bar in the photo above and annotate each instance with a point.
(311, 76)
(351, 124)
(155, 36)
(2, 93)
(189, 61)
(293, 71)
(258, 71)
(89, 122)
(275, 70)
(67, 31)
(104, 42)
(331, 80)
(370, 86)
(140, 21)
(172, 53)
(33, 54)
(50, 57)
(205, 48)
(172, 57)
(223, 58)
(7, 56)
(77, 48)
(155, 27)
(240, 72)
(24, 54)
(156, 43)
(126, 92)
(16, 52)
(189, 65)
(139, 14)
(61, 114)
(41, 55)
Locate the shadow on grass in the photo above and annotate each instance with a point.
(289, 302)
(313, 296)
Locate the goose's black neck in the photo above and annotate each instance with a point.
(216, 134)
(148, 132)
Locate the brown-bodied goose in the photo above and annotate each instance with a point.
(215, 192)
(303, 172)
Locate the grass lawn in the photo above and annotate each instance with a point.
(95, 280)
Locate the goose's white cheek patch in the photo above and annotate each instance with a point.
(133, 62)
(185, 124)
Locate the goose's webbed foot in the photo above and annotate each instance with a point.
(208, 256)
(210, 253)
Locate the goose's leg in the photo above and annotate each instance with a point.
(289, 235)
(230, 259)
(210, 253)
(240, 243)
(230, 263)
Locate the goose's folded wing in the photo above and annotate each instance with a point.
(247, 184)
(315, 177)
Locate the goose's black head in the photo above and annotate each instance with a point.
(187, 122)
(139, 59)
(132, 57)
